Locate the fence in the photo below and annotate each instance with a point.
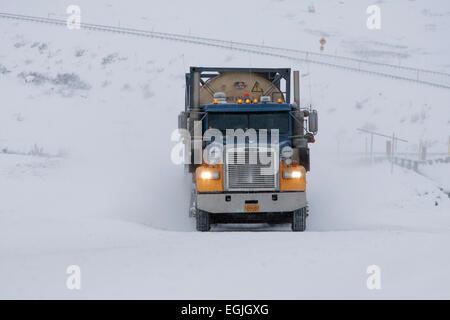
(417, 75)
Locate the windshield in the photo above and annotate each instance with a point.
(257, 121)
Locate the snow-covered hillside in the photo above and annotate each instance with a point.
(86, 177)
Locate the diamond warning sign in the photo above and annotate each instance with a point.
(256, 87)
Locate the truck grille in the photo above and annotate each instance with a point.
(241, 175)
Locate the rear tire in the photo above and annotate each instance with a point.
(203, 220)
(299, 219)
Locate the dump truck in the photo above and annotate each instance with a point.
(246, 145)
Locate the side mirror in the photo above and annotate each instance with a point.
(313, 122)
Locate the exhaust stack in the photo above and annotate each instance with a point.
(196, 93)
(195, 126)
(298, 121)
(297, 88)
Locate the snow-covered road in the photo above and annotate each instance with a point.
(408, 239)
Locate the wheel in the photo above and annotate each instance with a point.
(299, 219)
(203, 220)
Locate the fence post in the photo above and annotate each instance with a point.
(388, 148)
(423, 153)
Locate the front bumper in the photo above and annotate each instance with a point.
(267, 201)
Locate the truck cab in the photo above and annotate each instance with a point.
(247, 146)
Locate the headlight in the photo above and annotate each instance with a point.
(292, 174)
(210, 175)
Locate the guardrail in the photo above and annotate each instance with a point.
(409, 163)
(422, 76)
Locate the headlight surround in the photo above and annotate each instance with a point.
(209, 179)
(292, 178)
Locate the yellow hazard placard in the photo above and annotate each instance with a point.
(256, 87)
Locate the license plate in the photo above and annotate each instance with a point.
(251, 207)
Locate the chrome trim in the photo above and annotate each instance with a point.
(235, 173)
(216, 202)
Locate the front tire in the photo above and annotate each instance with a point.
(299, 220)
(203, 220)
